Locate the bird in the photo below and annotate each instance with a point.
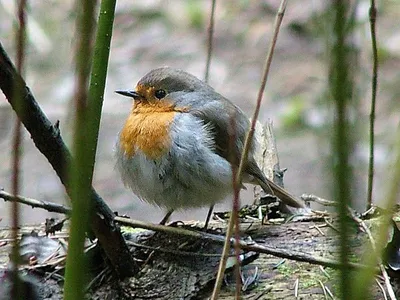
(175, 149)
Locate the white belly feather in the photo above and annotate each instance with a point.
(189, 175)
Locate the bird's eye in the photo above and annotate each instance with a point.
(160, 94)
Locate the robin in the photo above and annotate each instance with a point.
(174, 148)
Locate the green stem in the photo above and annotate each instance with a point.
(99, 74)
(341, 88)
(81, 169)
(372, 19)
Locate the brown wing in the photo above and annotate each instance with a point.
(230, 126)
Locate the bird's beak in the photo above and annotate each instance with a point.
(130, 93)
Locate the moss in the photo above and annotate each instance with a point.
(287, 270)
(309, 276)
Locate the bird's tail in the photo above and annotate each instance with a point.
(271, 188)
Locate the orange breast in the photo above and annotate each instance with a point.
(147, 129)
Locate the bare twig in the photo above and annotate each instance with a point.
(331, 225)
(316, 227)
(49, 206)
(98, 278)
(296, 288)
(381, 288)
(329, 292)
(210, 40)
(316, 199)
(250, 134)
(283, 253)
(324, 272)
(372, 19)
(172, 251)
(16, 155)
(207, 71)
(235, 216)
(235, 212)
(323, 289)
(225, 251)
(233, 221)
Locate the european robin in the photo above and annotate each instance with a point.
(174, 148)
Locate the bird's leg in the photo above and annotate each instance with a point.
(166, 217)
(208, 217)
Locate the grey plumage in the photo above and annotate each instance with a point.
(196, 171)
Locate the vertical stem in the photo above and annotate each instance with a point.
(99, 74)
(236, 189)
(372, 19)
(224, 257)
(80, 175)
(210, 40)
(16, 155)
(249, 137)
(233, 221)
(101, 53)
(341, 89)
(235, 210)
(246, 147)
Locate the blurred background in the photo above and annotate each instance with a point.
(153, 33)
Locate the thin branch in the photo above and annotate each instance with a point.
(225, 251)
(49, 206)
(233, 221)
(16, 155)
(329, 293)
(296, 288)
(174, 252)
(279, 192)
(319, 200)
(249, 138)
(381, 288)
(282, 253)
(323, 289)
(235, 214)
(210, 40)
(372, 19)
(250, 134)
